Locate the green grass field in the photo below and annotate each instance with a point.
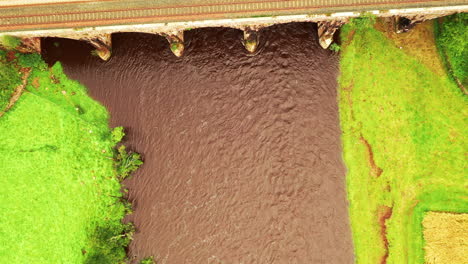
(404, 128)
(60, 194)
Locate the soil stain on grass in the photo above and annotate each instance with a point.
(242, 152)
(384, 214)
(376, 170)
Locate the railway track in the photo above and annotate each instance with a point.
(39, 15)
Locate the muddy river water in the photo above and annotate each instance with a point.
(242, 152)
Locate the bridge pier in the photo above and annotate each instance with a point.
(250, 40)
(176, 42)
(90, 26)
(102, 44)
(326, 31)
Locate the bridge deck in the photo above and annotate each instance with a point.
(17, 15)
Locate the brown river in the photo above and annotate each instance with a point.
(242, 152)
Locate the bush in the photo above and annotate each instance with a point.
(126, 162)
(365, 21)
(148, 260)
(108, 244)
(117, 134)
(33, 60)
(451, 38)
(335, 47)
(9, 42)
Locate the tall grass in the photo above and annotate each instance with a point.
(415, 122)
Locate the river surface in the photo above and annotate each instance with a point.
(242, 153)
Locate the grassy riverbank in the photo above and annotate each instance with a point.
(60, 195)
(403, 125)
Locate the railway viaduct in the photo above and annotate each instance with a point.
(95, 20)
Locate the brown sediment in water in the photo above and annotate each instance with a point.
(242, 153)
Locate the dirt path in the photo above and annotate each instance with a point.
(242, 153)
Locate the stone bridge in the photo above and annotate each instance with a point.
(95, 20)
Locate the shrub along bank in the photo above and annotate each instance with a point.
(451, 37)
(10, 78)
(404, 145)
(60, 197)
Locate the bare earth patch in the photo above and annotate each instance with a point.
(418, 42)
(376, 170)
(385, 213)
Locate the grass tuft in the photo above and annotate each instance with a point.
(148, 260)
(335, 47)
(126, 162)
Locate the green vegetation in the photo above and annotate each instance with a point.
(174, 46)
(127, 162)
(9, 78)
(404, 144)
(9, 42)
(263, 15)
(95, 53)
(60, 197)
(335, 47)
(117, 134)
(107, 243)
(451, 38)
(148, 260)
